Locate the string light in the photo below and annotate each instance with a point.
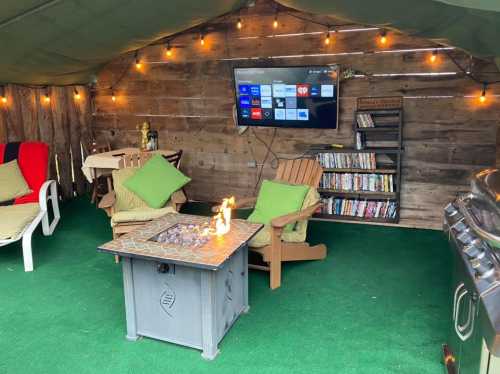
(383, 37)
(275, 22)
(113, 97)
(327, 38)
(77, 95)
(433, 56)
(3, 98)
(239, 24)
(46, 97)
(138, 64)
(482, 98)
(202, 39)
(168, 51)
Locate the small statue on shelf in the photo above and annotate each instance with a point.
(144, 129)
(152, 140)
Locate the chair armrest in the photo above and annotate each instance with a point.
(244, 202)
(282, 221)
(178, 197)
(107, 200)
(43, 194)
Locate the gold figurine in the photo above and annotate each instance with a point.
(144, 129)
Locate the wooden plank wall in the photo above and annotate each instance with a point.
(62, 123)
(189, 98)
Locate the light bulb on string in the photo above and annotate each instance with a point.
(433, 56)
(327, 38)
(168, 51)
(113, 96)
(77, 95)
(482, 98)
(275, 22)
(202, 39)
(239, 24)
(138, 63)
(3, 98)
(383, 37)
(46, 97)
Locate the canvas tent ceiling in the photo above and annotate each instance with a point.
(67, 41)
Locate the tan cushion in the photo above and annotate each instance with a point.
(125, 199)
(141, 214)
(15, 218)
(12, 182)
(297, 235)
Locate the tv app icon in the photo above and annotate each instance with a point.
(279, 114)
(244, 89)
(315, 90)
(245, 112)
(255, 90)
(267, 114)
(244, 101)
(256, 113)
(302, 90)
(303, 114)
(279, 102)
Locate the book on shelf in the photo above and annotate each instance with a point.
(359, 208)
(364, 120)
(360, 140)
(340, 160)
(357, 182)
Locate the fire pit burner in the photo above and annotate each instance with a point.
(184, 235)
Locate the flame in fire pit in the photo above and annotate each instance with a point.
(223, 217)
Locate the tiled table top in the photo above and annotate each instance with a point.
(210, 255)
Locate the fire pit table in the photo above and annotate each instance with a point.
(182, 285)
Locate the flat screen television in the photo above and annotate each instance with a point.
(299, 96)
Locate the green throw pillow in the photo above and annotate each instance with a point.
(156, 181)
(12, 182)
(277, 199)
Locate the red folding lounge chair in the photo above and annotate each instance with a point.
(20, 217)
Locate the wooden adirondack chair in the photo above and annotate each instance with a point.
(300, 171)
(136, 160)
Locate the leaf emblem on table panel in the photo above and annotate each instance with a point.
(167, 299)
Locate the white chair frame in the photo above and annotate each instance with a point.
(47, 191)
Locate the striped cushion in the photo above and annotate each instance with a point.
(125, 199)
(141, 214)
(33, 160)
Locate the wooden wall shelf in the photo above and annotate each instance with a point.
(387, 126)
(324, 217)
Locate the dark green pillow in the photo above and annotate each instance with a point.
(156, 181)
(276, 199)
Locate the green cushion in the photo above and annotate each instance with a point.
(12, 182)
(297, 235)
(277, 199)
(156, 181)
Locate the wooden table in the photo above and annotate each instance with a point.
(180, 294)
(99, 164)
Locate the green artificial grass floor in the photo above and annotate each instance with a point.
(378, 304)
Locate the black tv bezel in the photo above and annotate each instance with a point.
(285, 67)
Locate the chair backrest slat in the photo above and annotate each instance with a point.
(294, 173)
(175, 159)
(139, 159)
(300, 171)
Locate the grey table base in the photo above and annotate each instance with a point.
(190, 306)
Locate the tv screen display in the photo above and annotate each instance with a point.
(304, 97)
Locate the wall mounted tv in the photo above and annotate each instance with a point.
(301, 97)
